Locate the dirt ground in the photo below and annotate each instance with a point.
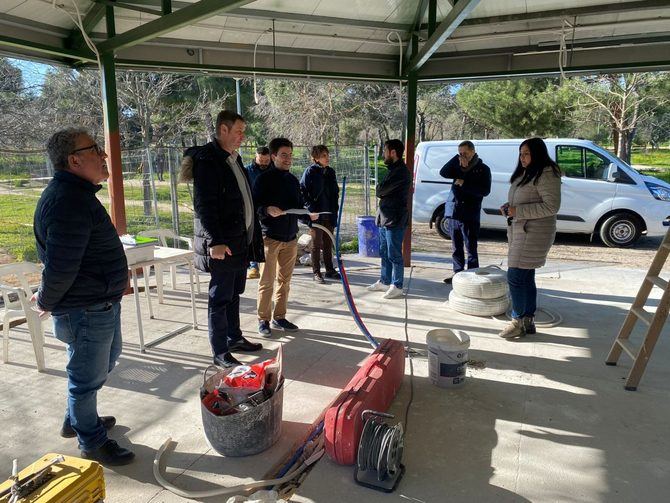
(576, 247)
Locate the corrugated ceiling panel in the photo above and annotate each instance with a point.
(487, 8)
(204, 34)
(400, 11)
(43, 12)
(325, 44)
(8, 5)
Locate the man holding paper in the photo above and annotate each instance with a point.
(275, 191)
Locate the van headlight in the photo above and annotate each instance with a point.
(659, 192)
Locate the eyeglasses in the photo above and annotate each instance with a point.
(98, 149)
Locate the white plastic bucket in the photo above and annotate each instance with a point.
(447, 356)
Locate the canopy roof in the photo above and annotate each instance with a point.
(349, 39)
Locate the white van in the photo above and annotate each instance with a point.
(600, 192)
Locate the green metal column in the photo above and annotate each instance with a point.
(110, 113)
(410, 145)
(432, 16)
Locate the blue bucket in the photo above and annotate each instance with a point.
(368, 237)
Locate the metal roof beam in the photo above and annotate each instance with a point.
(45, 49)
(93, 17)
(413, 32)
(611, 8)
(309, 19)
(183, 17)
(453, 20)
(290, 17)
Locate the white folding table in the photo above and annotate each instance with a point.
(162, 256)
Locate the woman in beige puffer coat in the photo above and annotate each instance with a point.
(533, 201)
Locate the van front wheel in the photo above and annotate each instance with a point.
(621, 230)
(442, 226)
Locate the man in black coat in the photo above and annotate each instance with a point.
(85, 275)
(227, 233)
(275, 191)
(472, 182)
(392, 219)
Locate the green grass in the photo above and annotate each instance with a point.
(16, 230)
(657, 158)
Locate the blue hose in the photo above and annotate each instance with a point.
(343, 275)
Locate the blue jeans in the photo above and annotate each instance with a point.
(464, 235)
(223, 308)
(93, 338)
(390, 251)
(523, 291)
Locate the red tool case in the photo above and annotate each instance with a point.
(373, 387)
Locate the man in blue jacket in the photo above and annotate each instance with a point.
(260, 163)
(227, 233)
(392, 219)
(472, 182)
(85, 275)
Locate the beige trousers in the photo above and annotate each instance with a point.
(279, 262)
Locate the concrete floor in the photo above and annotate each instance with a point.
(544, 420)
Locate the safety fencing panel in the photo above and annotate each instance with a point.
(153, 196)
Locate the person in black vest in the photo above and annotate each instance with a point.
(392, 220)
(275, 191)
(227, 232)
(85, 275)
(321, 193)
(472, 182)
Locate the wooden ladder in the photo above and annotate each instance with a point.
(655, 321)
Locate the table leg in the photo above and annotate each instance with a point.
(137, 310)
(190, 282)
(146, 291)
(158, 268)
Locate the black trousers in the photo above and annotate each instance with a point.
(223, 308)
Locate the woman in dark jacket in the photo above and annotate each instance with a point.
(321, 193)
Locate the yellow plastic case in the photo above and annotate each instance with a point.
(73, 480)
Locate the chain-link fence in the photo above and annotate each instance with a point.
(153, 198)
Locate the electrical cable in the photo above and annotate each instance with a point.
(380, 448)
(388, 39)
(409, 353)
(254, 75)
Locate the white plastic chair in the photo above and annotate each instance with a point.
(17, 306)
(163, 235)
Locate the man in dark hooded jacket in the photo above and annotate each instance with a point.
(227, 232)
(472, 182)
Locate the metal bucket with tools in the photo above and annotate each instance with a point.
(255, 426)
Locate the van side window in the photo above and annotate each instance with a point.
(596, 166)
(436, 157)
(570, 160)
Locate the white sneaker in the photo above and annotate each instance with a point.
(378, 286)
(393, 293)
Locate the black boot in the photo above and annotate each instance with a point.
(226, 360)
(110, 453)
(67, 431)
(529, 325)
